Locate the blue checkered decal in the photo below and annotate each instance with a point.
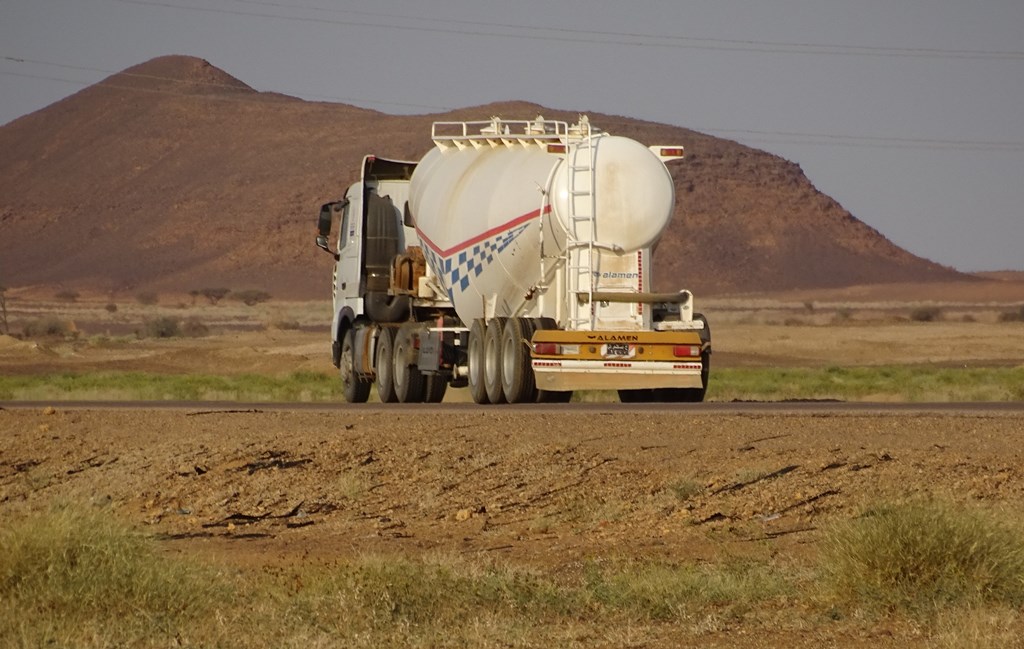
(455, 271)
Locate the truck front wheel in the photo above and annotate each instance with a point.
(353, 388)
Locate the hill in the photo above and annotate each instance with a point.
(173, 175)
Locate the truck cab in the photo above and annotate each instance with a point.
(371, 233)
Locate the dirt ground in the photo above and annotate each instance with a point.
(547, 488)
(538, 486)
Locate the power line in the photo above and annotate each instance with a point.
(857, 144)
(570, 35)
(193, 82)
(846, 49)
(770, 137)
(836, 139)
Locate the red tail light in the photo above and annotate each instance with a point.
(685, 351)
(545, 349)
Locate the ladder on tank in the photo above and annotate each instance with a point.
(581, 253)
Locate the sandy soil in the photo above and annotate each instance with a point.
(549, 488)
(546, 488)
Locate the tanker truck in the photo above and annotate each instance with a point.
(513, 259)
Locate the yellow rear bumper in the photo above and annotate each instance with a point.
(617, 360)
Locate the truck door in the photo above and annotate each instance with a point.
(348, 273)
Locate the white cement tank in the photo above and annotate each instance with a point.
(486, 203)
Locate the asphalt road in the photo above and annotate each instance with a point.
(712, 407)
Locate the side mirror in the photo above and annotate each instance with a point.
(323, 229)
(407, 217)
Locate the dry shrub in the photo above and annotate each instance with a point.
(843, 315)
(76, 577)
(46, 328)
(686, 489)
(926, 314)
(1012, 316)
(251, 297)
(163, 327)
(922, 556)
(214, 295)
(194, 328)
(979, 628)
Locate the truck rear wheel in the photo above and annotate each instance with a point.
(477, 388)
(407, 378)
(353, 388)
(492, 360)
(385, 365)
(638, 396)
(517, 379)
(552, 396)
(696, 395)
(434, 387)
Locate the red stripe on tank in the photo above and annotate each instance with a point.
(481, 237)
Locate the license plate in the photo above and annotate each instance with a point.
(618, 350)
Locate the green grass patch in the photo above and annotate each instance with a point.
(887, 383)
(295, 387)
(882, 383)
(924, 556)
(75, 577)
(679, 592)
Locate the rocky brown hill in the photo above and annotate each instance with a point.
(173, 175)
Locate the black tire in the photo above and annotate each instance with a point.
(517, 381)
(492, 360)
(434, 387)
(554, 396)
(385, 366)
(354, 388)
(407, 377)
(638, 396)
(672, 395)
(676, 395)
(696, 395)
(381, 307)
(475, 361)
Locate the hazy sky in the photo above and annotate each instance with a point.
(908, 112)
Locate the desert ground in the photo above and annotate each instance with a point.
(258, 488)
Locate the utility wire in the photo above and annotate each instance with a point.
(881, 141)
(846, 49)
(770, 137)
(767, 139)
(569, 35)
(196, 82)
